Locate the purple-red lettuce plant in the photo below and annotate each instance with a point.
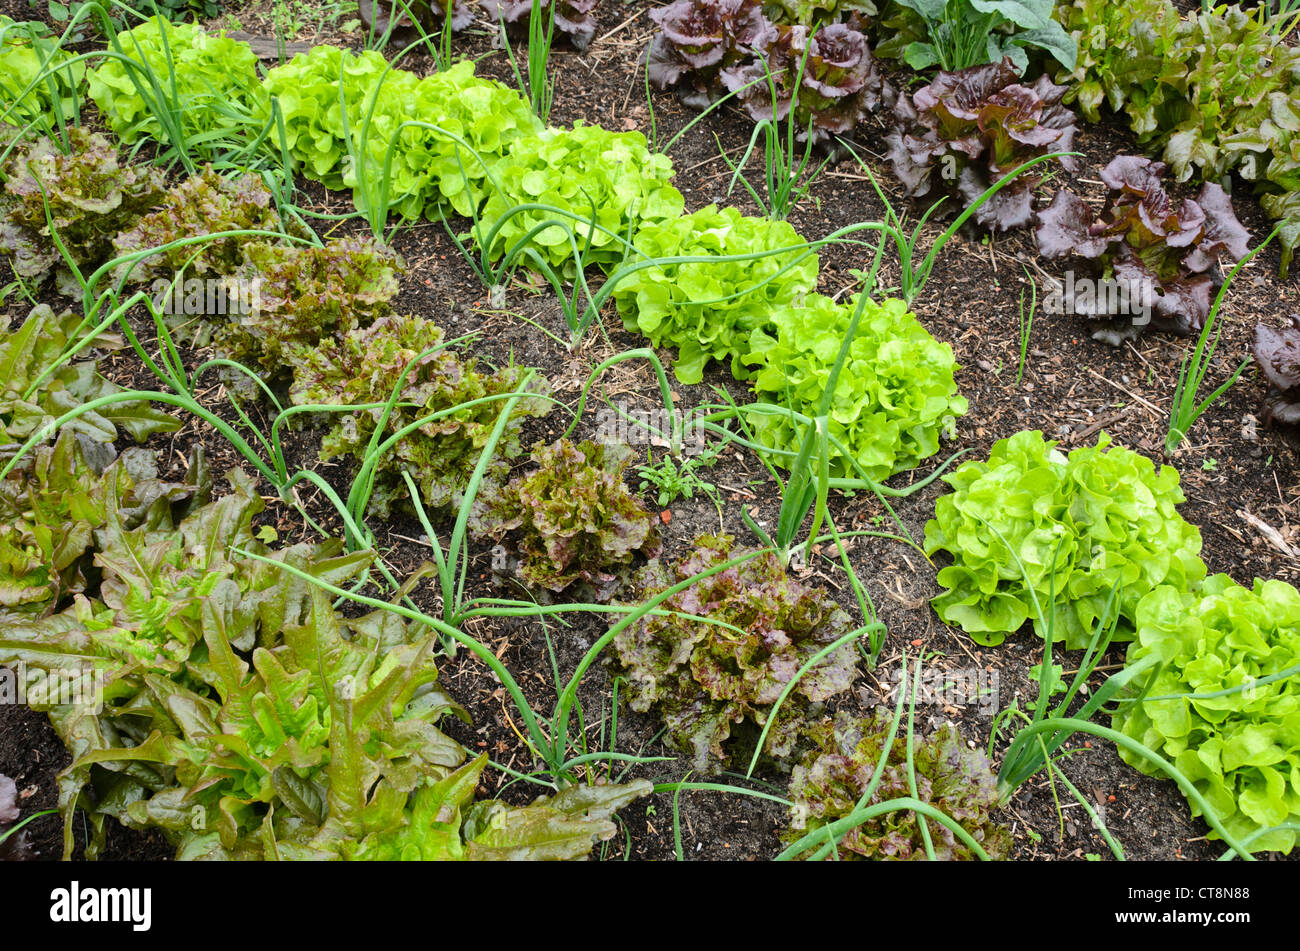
(823, 82)
(697, 39)
(729, 647)
(299, 295)
(967, 129)
(204, 204)
(573, 519)
(573, 18)
(830, 781)
(407, 356)
(1162, 252)
(1278, 354)
(90, 196)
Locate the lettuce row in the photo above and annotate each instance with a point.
(1207, 707)
(896, 394)
(1033, 519)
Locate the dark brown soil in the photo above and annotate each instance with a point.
(1073, 387)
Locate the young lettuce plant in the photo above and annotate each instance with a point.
(1163, 253)
(894, 395)
(433, 144)
(1216, 673)
(1034, 746)
(431, 411)
(606, 184)
(698, 39)
(1083, 524)
(575, 523)
(821, 83)
(80, 200)
(837, 794)
(967, 129)
(204, 204)
(304, 295)
(729, 646)
(856, 763)
(708, 310)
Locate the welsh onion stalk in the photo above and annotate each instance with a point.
(541, 34)
(807, 488)
(1185, 411)
(18, 827)
(1026, 325)
(665, 392)
(785, 171)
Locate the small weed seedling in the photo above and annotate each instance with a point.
(682, 479)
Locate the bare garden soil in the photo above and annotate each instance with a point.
(1238, 474)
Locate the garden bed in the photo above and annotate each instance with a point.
(1239, 475)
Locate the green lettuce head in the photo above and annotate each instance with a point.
(1105, 517)
(1210, 707)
